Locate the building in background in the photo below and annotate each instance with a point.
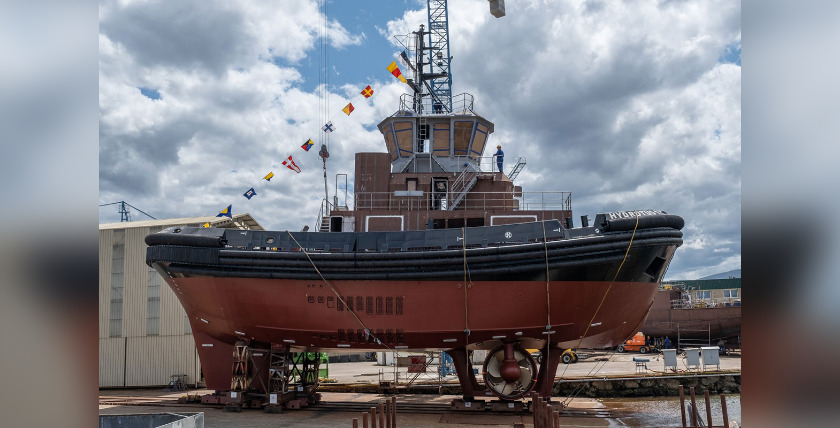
(713, 292)
(144, 333)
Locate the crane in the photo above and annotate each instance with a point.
(439, 61)
(125, 214)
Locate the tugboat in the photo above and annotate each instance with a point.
(439, 250)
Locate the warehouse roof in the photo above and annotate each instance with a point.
(237, 221)
(707, 284)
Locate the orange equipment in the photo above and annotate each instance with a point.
(636, 343)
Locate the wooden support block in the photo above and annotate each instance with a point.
(507, 406)
(470, 406)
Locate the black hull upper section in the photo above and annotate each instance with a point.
(521, 252)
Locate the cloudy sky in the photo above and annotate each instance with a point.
(628, 105)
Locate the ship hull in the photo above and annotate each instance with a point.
(690, 323)
(696, 323)
(536, 284)
(422, 315)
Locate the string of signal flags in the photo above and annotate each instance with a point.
(328, 127)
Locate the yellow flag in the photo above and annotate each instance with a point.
(348, 109)
(396, 71)
(206, 225)
(268, 176)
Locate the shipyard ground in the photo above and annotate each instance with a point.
(431, 409)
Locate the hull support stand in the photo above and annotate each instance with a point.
(271, 377)
(469, 384)
(548, 369)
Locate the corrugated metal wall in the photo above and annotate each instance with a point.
(134, 311)
(153, 359)
(104, 283)
(111, 361)
(135, 359)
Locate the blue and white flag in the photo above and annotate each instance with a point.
(329, 127)
(250, 193)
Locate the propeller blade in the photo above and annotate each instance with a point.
(493, 367)
(526, 377)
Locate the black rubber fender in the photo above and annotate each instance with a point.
(645, 222)
(183, 239)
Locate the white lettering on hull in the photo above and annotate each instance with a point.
(630, 214)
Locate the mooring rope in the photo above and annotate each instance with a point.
(547, 297)
(466, 306)
(338, 296)
(598, 309)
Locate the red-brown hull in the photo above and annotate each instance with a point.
(695, 323)
(404, 315)
(691, 323)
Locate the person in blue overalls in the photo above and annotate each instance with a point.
(500, 157)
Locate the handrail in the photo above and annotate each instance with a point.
(326, 208)
(527, 201)
(462, 104)
(460, 187)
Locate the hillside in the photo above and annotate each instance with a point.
(725, 275)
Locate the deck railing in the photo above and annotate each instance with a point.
(461, 104)
(524, 201)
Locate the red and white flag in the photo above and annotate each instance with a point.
(290, 163)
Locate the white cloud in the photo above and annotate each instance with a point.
(624, 104)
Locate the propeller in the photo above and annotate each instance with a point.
(512, 377)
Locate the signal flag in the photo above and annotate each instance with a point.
(307, 145)
(225, 212)
(396, 71)
(290, 163)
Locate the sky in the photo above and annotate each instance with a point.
(627, 105)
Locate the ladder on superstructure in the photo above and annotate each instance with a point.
(520, 164)
(461, 186)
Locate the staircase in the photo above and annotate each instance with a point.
(520, 164)
(325, 224)
(323, 221)
(461, 186)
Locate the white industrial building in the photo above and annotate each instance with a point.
(144, 333)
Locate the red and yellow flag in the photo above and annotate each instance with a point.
(396, 71)
(348, 109)
(367, 92)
